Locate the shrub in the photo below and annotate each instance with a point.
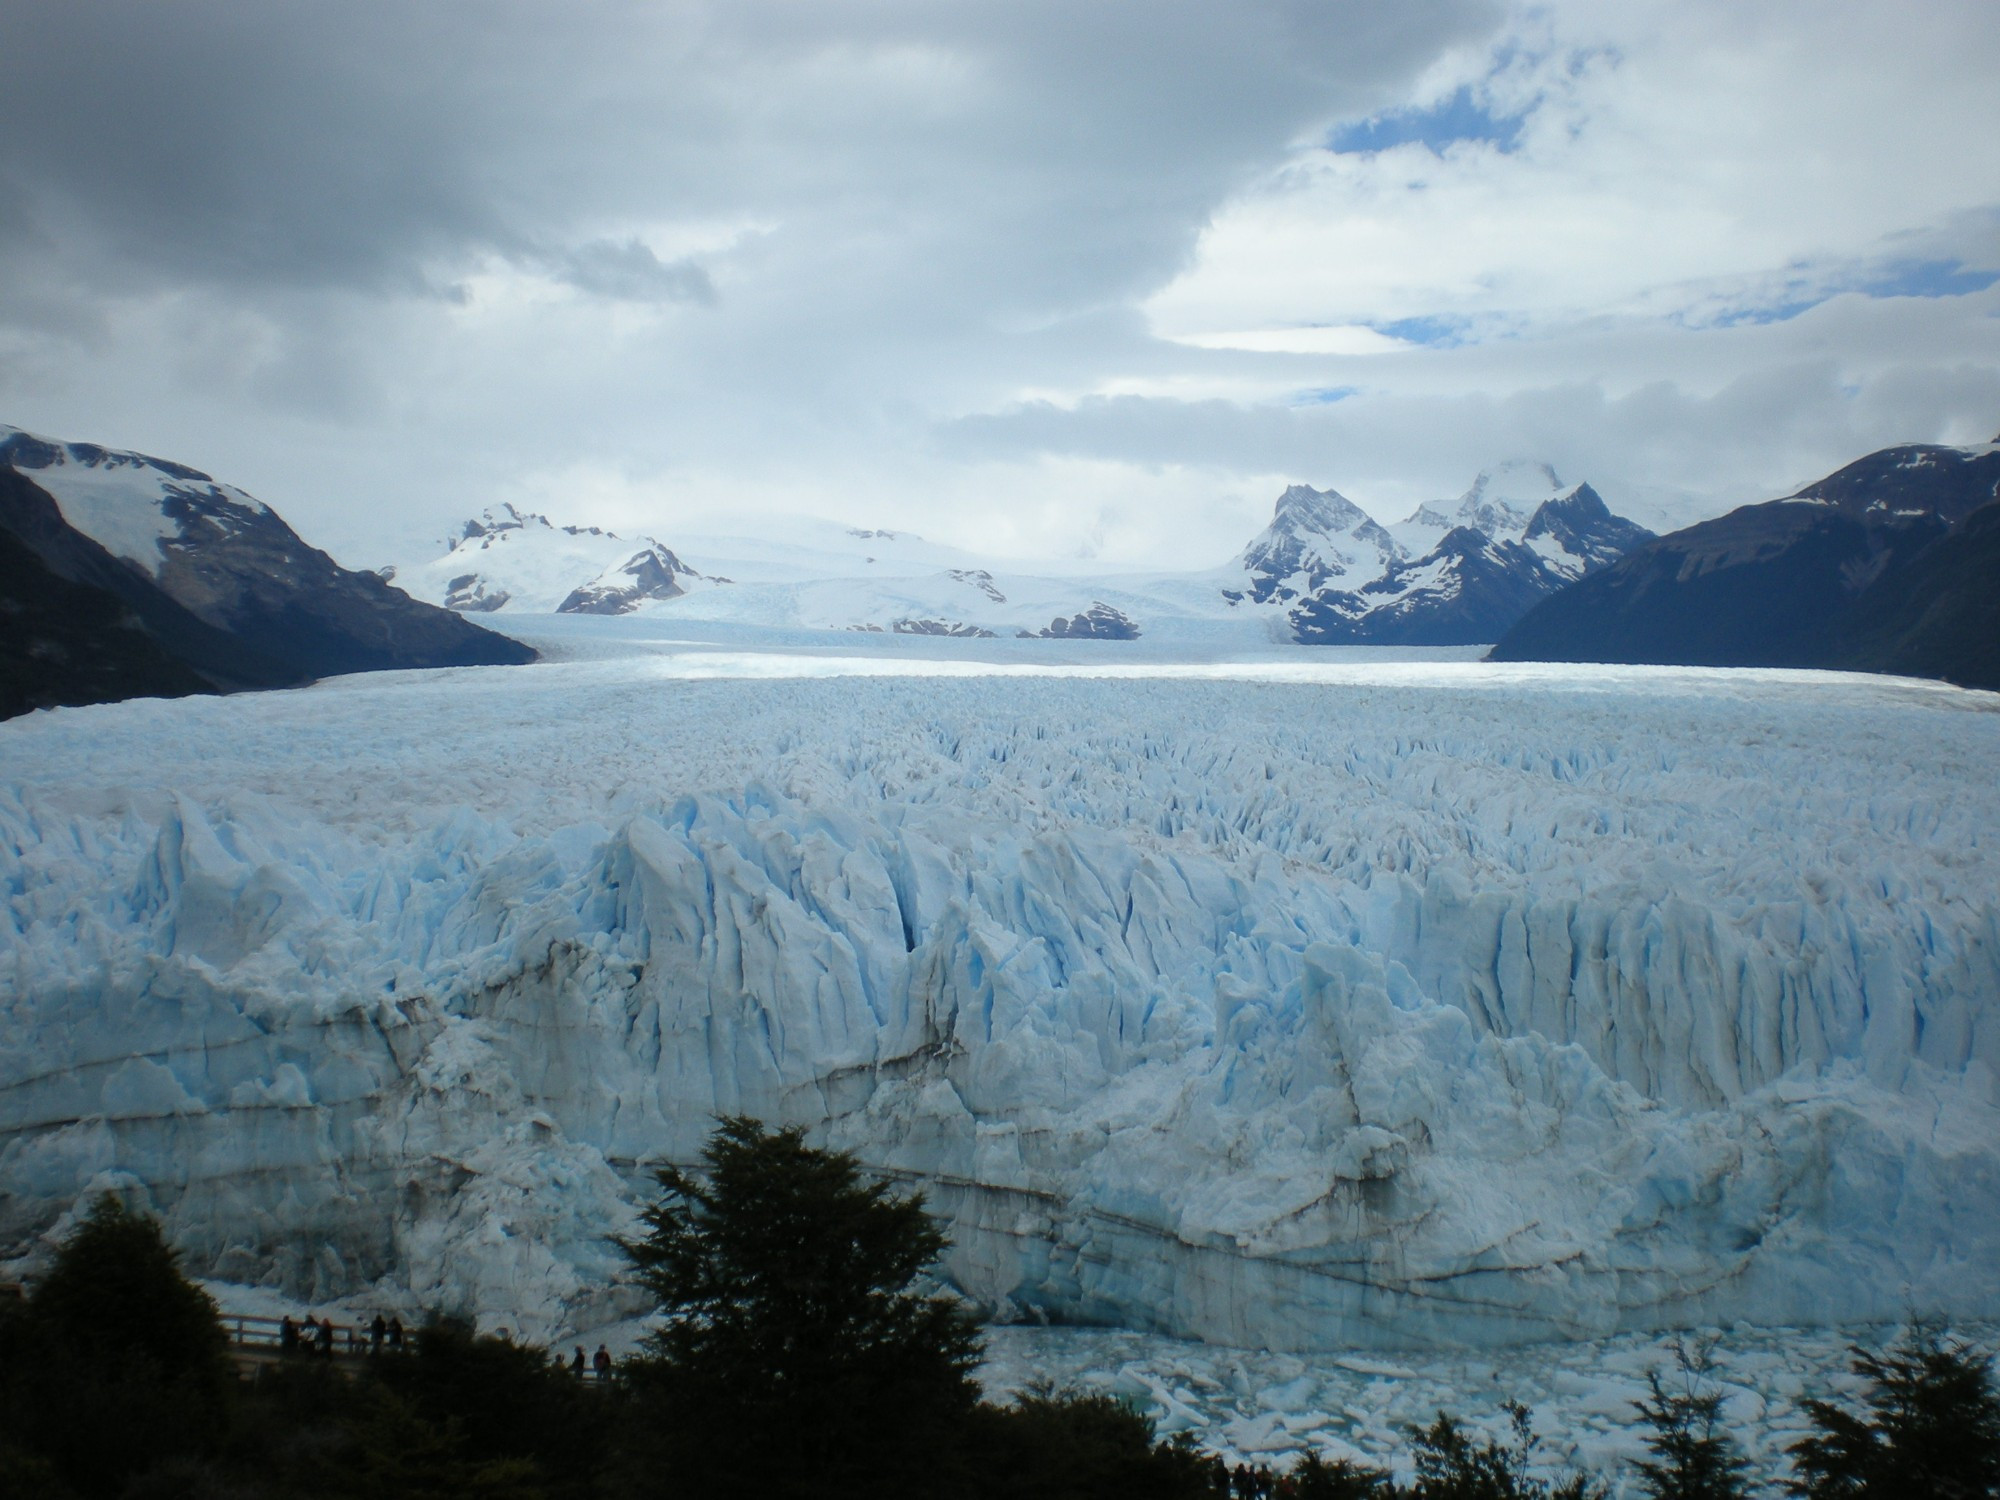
(1931, 1427)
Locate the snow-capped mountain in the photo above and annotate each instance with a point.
(520, 560)
(1884, 565)
(1315, 537)
(1323, 571)
(1500, 504)
(1451, 574)
(1472, 585)
(212, 575)
(805, 574)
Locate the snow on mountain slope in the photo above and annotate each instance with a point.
(1498, 505)
(801, 549)
(1472, 585)
(1385, 1006)
(215, 577)
(980, 600)
(1343, 576)
(1448, 575)
(517, 560)
(127, 503)
(1315, 536)
(808, 575)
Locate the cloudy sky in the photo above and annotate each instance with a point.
(1041, 277)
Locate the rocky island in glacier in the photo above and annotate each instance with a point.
(1311, 1003)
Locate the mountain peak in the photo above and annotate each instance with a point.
(1314, 535)
(1513, 480)
(1303, 508)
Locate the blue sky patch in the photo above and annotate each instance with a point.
(1902, 278)
(1435, 333)
(1459, 117)
(1325, 396)
(1927, 278)
(1771, 312)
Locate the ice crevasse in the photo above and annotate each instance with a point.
(1290, 1030)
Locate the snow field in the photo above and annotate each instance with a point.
(1383, 1007)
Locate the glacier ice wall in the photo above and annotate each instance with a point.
(1467, 1008)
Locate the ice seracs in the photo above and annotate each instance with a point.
(1407, 1007)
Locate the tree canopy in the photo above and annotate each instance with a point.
(797, 1356)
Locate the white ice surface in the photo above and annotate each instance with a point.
(1312, 1000)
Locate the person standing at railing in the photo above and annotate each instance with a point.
(288, 1335)
(377, 1332)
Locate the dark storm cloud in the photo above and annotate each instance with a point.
(631, 272)
(379, 145)
(928, 263)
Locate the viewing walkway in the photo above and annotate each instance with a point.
(257, 1343)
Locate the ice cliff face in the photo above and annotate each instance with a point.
(1376, 1010)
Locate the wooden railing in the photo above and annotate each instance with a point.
(258, 1340)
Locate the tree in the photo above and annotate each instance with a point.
(1314, 1478)
(116, 1292)
(1693, 1459)
(1931, 1428)
(116, 1365)
(506, 1401)
(796, 1359)
(1451, 1466)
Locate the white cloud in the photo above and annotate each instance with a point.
(1676, 160)
(1014, 273)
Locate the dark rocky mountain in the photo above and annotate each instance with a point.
(213, 578)
(1465, 591)
(1098, 623)
(1472, 585)
(1885, 565)
(71, 642)
(652, 573)
(1580, 525)
(957, 629)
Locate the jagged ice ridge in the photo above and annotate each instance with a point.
(1420, 1006)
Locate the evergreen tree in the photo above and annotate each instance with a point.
(1452, 1466)
(116, 1365)
(1931, 1428)
(116, 1292)
(1693, 1459)
(796, 1359)
(1314, 1478)
(1074, 1446)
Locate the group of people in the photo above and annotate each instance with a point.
(599, 1366)
(321, 1336)
(1246, 1483)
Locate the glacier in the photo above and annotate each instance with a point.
(1317, 1002)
